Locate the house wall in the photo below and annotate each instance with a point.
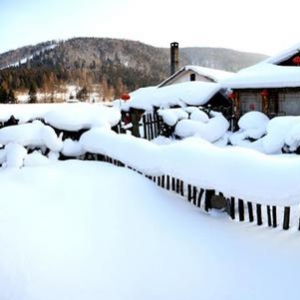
(249, 101)
(289, 103)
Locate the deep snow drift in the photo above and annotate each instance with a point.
(89, 230)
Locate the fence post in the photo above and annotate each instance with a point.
(286, 218)
(208, 195)
(232, 208)
(200, 197)
(181, 187)
(258, 214)
(241, 210)
(173, 184)
(158, 180)
(194, 196)
(269, 215)
(274, 216)
(189, 195)
(250, 211)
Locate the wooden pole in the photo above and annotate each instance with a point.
(258, 214)
(208, 196)
(145, 127)
(189, 195)
(181, 187)
(250, 211)
(200, 197)
(232, 208)
(194, 196)
(274, 216)
(173, 184)
(241, 210)
(177, 186)
(168, 182)
(269, 215)
(158, 180)
(286, 218)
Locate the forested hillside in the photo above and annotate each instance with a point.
(107, 67)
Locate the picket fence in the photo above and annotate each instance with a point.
(237, 209)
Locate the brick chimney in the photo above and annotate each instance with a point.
(174, 57)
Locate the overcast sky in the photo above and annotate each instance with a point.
(261, 26)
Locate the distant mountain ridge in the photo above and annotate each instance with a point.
(115, 64)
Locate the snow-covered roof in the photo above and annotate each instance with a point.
(213, 74)
(267, 74)
(181, 94)
(283, 55)
(264, 75)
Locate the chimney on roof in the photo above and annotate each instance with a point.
(174, 57)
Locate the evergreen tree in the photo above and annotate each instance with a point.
(3, 94)
(32, 93)
(11, 97)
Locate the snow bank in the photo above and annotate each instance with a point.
(235, 171)
(212, 130)
(82, 116)
(34, 134)
(181, 94)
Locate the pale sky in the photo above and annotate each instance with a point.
(261, 26)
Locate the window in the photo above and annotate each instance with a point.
(193, 77)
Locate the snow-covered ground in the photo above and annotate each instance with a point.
(89, 230)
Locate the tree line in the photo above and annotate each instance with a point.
(49, 75)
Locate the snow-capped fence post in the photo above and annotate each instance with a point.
(250, 211)
(286, 218)
(269, 215)
(258, 214)
(274, 216)
(241, 210)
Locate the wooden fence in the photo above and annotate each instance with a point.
(237, 209)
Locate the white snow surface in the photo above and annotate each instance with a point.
(267, 74)
(31, 134)
(181, 94)
(78, 116)
(71, 117)
(67, 233)
(264, 75)
(90, 230)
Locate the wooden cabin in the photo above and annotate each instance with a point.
(272, 86)
(196, 73)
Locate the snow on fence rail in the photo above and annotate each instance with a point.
(253, 183)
